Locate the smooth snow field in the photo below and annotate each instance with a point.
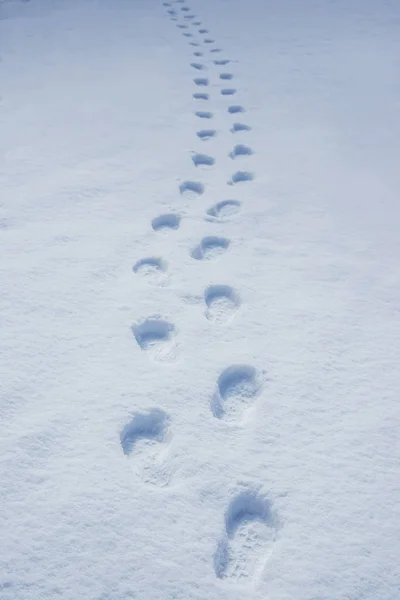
(200, 300)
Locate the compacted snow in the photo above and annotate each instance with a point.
(200, 326)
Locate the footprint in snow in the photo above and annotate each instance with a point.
(226, 76)
(206, 134)
(197, 66)
(223, 210)
(201, 81)
(222, 61)
(237, 388)
(235, 108)
(202, 160)
(152, 269)
(228, 91)
(204, 114)
(240, 177)
(156, 337)
(236, 127)
(210, 247)
(145, 440)
(209, 41)
(241, 150)
(197, 53)
(200, 96)
(251, 528)
(191, 186)
(167, 221)
(222, 303)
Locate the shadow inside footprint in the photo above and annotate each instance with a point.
(204, 114)
(206, 134)
(223, 210)
(203, 159)
(191, 186)
(151, 425)
(226, 76)
(197, 66)
(237, 386)
(200, 96)
(235, 108)
(210, 247)
(167, 221)
(236, 127)
(201, 81)
(228, 91)
(241, 150)
(241, 176)
(152, 268)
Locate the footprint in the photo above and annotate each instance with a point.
(203, 159)
(251, 528)
(196, 23)
(185, 8)
(189, 17)
(191, 186)
(216, 50)
(188, 35)
(222, 61)
(182, 26)
(228, 91)
(236, 127)
(209, 41)
(171, 12)
(197, 53)
(236, 108)
(157, 337)
(152, 268)
(167, 221)
(241, 176)
(237, 387)
(200, 96)
(201, 81)
(241, 150)
(203, 30)
(203, 114)
(206, 134)
(222, 302)
(210, 248)
(223, 210)
(145, 441)
(226, 76)
(197, 66)
(194, 44)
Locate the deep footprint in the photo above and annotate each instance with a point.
(167, 221)
(200, 96)
(237, 387)
(191, 186)
(221, 62)
(223, 210)
(152, 268)
(198, 66)
(236, 108)
(144, 439)
(197, 53)
(156, 336)
(228, 91)
(241, 150)
(226, 76)
(206, 134)
(203, 114)
(240, 177)
(222, 302)
(201, 81)
(236, 127)
(250, 531)
(210, 247)
(202, 159)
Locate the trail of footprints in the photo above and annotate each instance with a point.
(250, 524)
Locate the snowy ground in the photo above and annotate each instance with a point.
(200, 398)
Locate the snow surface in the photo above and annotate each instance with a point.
(200, 334)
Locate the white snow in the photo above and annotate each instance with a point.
(200, 325)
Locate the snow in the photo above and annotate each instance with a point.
(200, 333)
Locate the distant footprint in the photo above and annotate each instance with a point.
(226, 76)
(251, 529)
(197, 66)
(240, 177)
(188, 35)
(223, 210)
(203, 30)
(191, 186)
(236, 127)
(222, 302)
(189, 17)
(241, 150)
(196, 23)
(222, 61)
(228, 91)
(201, 81)
(235, 108)
(216, 50)
(156, 337)
(182, 26)
(237, 387)
(152, 269)
(167, 221)
(145, 441)
(206, 134)
(185, 8)
(200, 96)
(202, 159)
(195, 44)
(210, 247)
(197, 53)
(209, 41)
(204, 114)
